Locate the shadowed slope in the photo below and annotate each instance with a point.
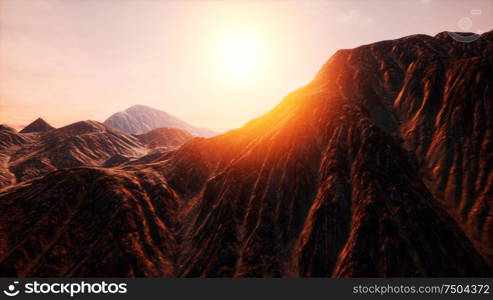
(165, 137)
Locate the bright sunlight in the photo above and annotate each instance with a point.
(240, 54)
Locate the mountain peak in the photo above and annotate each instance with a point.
(139, 106)
(38, 125)
(139, 119)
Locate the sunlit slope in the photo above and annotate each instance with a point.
(379, 157)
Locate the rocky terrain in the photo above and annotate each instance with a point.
(87, 222)
(165, 137)
(381, 166)
(140, 119)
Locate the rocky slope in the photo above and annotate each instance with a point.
(140, 119)
(10, 142)
(165, 137)
(381, 166)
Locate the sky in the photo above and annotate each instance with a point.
(215, 64)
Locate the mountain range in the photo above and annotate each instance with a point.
(381, 166)
(40, 148)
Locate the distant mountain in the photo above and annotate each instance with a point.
(140, 119)
(38, 125)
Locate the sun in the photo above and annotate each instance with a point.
(240, 54)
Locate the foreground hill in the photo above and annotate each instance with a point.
(140, 119)
(87, 223)
(381, 166)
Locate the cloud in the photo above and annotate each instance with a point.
(353, 17)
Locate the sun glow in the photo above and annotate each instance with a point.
(240, 54)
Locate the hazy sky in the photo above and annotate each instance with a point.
(216, 64)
